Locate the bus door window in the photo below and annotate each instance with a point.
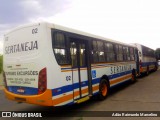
(82, 55)
(73, 50)
(132, 53)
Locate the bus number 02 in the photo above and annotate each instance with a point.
(68, 78)
(34, 31)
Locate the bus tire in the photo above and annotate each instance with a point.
(103, 89)
(134, 78)
(147, 72)
(155, 68)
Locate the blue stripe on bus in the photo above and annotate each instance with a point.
(116, 85)
(27, 90)
(119, 74)
(63, 89)
(119, 84)
(144, 64)
(97, 80)
(69, 68)
(69, 88)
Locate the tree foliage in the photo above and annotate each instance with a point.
(158, 53)
(1, 63)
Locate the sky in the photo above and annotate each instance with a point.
(128, 21)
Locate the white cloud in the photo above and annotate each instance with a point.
(32, 6)
(123, 20)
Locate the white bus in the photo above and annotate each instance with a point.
(147, 59)
(51, 65)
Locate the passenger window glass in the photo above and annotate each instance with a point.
(59, 40)
(101, 51)
(82, 55)
(126, 55)
(60, 49)
(98, 51)
(94, 51)
(73, 51)
(132, 57)
(119, 53)
(110, 55)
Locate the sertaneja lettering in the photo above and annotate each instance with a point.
(27, 46)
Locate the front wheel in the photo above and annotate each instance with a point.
(103, 89)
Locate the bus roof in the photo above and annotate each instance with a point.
(21, 27)
(67, 29)
(142, 46)
(59, 27)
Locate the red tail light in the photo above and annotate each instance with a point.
(4, 78)
(42, 81)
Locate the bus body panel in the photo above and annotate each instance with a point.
(147, 63)
(23, 59)
(116, 72)
(28, 51)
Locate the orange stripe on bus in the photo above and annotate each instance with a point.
(66, 70)
(73, 70)
(68, 97)
(94, 88)
(64, 66)
(120, 79)
(100, 67)
(114, 62)
(76, 93)
(84, 90)
(62, 99)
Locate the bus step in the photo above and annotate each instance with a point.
(82, 99)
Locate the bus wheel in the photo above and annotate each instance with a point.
(103, 89)
(133, 76)
(147, 72)
(155, 68)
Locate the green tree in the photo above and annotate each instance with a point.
(157, 53)
(1, 63)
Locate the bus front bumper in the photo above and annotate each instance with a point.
(44, 99)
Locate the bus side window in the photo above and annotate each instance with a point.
(132, 54)
(119, 53)
(101, 51)
(109, 50)
(126, 54)
(94, 51)
(60, 48)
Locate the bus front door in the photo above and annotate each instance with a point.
(78, 52)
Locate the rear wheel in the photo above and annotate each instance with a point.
(155, 69)
(103, 89)
(147, 72)
(134, 76)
